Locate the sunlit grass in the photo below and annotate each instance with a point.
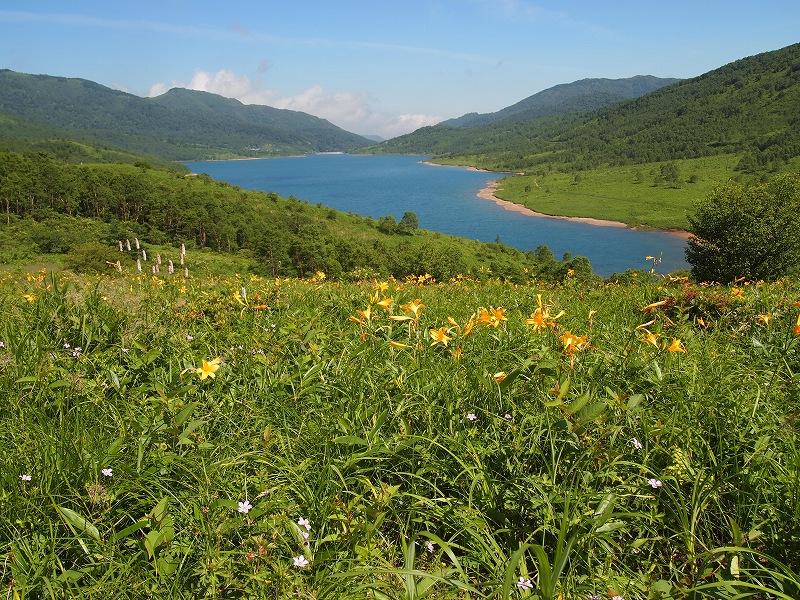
(251, 437)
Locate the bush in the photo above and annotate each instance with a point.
(751, 232)
(91, 257)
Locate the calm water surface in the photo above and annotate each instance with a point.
(444, 199)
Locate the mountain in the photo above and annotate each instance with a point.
(747, 108)
(578, 97)
(180, 124)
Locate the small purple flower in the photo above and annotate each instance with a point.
(25, 477)
(524, 584)
(189, 337)
(244, 507)
(429, 547)
(617, 598)
(472, 417)
(593, 597)
(2, 344)
(507, 417)
(637, 445)
(107, 472)
(655, 484)
(67, 346)
(302, 522)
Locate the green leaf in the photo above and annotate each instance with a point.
(350, 440)
(79, 523)
(139, 525)
(185, 413)
(577, 404)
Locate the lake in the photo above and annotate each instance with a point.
(444, 199)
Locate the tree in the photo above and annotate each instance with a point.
(409, 220)
(751, 232)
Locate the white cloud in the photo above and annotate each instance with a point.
(349, 110)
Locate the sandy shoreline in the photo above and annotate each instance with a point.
(487, 193)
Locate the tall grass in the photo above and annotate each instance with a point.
(349, 447)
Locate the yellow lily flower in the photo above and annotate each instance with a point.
(385, 303)
(366, 316)
(650, 338)
(414, 307)
(399, 318)
(797, 326)
(650, 307)
(209, 368)
(29, 297)
(439, 336)
(765, 318)
(469, 325)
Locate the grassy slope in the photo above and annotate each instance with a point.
(626, 194)
(314, 416)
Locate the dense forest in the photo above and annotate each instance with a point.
(747, 108)
(58, 208)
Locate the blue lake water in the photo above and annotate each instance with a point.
(444, 199)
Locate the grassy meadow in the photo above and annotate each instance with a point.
(247, 437)
(638, 195)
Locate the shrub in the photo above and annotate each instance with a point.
(751, 232)
(91, 257)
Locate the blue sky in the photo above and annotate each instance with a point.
(383, 67)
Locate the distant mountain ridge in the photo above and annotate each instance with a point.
(180, 124)
(747, 108)
(580, 96)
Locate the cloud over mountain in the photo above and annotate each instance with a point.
(349, 110)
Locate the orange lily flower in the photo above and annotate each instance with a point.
(573, 343)
(676, 346)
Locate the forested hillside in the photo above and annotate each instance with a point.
(747, 108)
(180, 125)
(54, 208)
(567, 98)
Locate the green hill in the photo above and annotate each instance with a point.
(179, 125)
(747, 108)
(568, 98)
